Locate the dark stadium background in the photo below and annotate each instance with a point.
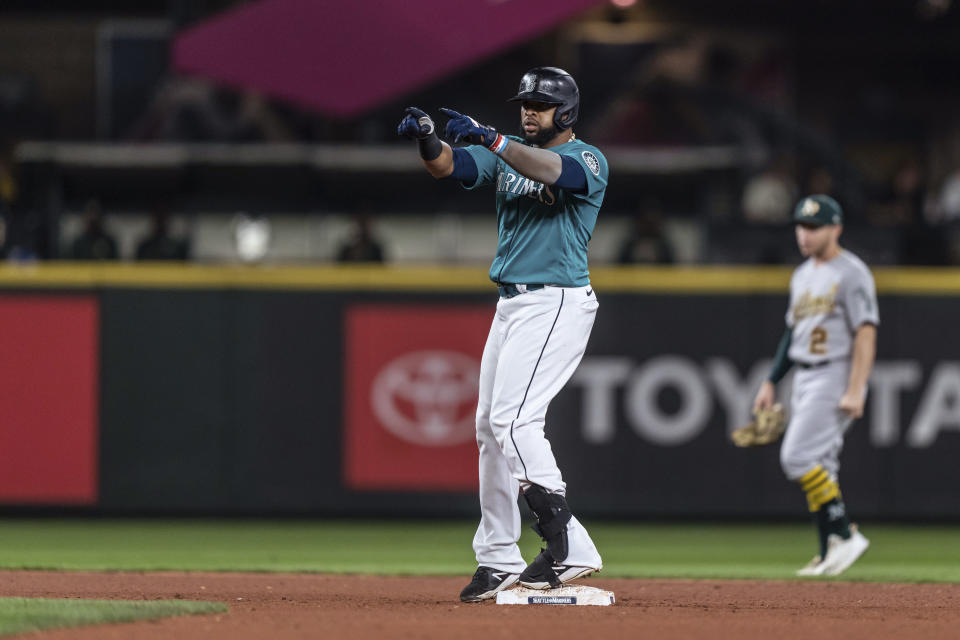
(214, 370)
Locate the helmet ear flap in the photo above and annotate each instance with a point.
(565, 116)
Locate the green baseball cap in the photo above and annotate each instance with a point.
(818, 210)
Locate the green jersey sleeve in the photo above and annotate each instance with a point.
(594, 167)
(486, 165)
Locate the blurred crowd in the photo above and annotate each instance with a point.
(789, 117)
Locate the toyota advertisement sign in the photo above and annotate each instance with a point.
(643, 425)
(412, 374)
(363, 403)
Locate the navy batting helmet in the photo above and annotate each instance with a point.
(553, 86)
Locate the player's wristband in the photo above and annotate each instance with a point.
(499, 144)
(430, 147)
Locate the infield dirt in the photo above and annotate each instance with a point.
(362, 607)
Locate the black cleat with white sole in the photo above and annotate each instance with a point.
(486, 583)
(546, 573)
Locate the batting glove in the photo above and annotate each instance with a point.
(466, 129)
(415, 124)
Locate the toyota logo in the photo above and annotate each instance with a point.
(428, 398)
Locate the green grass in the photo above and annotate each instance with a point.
(21, 615)
(694, 550)
(896, 554)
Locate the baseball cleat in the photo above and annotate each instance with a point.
(486, 583)
(814, 568)
(841, 553)
(545, 573)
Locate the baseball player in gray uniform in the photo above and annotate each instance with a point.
(549, 186)
(831, 337)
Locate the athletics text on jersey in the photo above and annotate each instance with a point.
(828, 303)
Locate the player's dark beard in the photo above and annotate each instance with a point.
(541, 137)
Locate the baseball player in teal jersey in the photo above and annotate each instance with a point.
(831, 336)
(549, 187)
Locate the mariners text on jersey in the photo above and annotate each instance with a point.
(543, 231)
(511, 182)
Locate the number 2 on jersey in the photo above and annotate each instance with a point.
(818, 341)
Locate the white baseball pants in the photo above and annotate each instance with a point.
(536, 342)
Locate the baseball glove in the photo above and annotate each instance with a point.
(767, 426)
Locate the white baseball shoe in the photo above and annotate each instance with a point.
(843, 553)
(814, 568)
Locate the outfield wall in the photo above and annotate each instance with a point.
(352, 391)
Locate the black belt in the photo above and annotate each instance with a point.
(813, 365)
(508, 290)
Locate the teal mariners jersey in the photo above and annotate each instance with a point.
(543, 231)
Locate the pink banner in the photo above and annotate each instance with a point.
(344, 57)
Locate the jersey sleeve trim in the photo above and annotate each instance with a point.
(594, 166)
(464, 168)
(573, 178)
